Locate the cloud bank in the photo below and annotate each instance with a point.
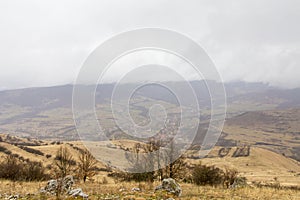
(45, 43)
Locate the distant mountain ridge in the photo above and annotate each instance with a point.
(46, 113)
(62, 95)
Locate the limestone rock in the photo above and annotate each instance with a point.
(136, 189)
(53, 185)
(78, 193)
(171, 186)
(13, 197)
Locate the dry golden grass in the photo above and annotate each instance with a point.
(122, 190)
(20, 187)
(195, 192)
(262, 165)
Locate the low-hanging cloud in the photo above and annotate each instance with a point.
(45, 42)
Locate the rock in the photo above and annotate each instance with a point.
(239, 182)
(135, 189)
(171, 186)
(52, 185)
(78, 193)
(66, 187)
(13, 197)
(68, 182)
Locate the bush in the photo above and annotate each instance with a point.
(207, 175)
(127, 177)
(33, 151)
(34, 171)
(15, 155)
(8, 152)
(10, 168)
(230, 176)
(56, 142)
(5, 150)
(14, 169)
(2, 149)
(77, 148)
(104, 180)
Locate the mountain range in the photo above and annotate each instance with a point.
(257, 114)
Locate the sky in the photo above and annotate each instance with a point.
(45, 43)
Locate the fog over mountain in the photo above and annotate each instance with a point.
(46, 43)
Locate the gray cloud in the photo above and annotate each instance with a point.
(45, 42)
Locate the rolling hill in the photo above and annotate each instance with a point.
(276, 130)
(261, 165)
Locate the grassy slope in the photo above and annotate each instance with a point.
(262, 165)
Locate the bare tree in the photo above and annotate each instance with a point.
(142, 160)
(175, 162)
(63, 162)
(87, 164)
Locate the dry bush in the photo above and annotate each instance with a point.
(207, 175)
(104, 180)
(2, 149)
(14, 169)
(48, 156)
(31, 150)
(5, 150)
(229, 177)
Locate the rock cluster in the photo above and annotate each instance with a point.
(63, 186)
(171, 186)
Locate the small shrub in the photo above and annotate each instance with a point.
(207, 175)
(78, 149)
(8, 152)
(12, 168)
(229, 177)
(15, 155)
(104, 180)
(3, 149)
(33, 151)
(34, 171)
(49, 166)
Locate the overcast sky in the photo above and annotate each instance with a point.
(44, 43)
